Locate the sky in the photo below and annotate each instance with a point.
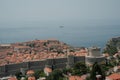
(17, 12)
(85, 22)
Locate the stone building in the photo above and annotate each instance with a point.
(5, 46)
(94, 55)
(21, 48)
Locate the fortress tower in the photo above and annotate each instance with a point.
(94, 55)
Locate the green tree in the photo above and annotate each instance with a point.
(32, 45)
(110, 49)
(55, 75)
(88, 78)
(9, 53)
(39, 73)
(80, 68)
(18, 75)
(105, 67)
(67, 70)
(96, 70)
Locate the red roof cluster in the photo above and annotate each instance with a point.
(114, 76)
(75, 78)
(35, 50)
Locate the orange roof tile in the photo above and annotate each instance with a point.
(12, 78)
(114, 76)
(83, 51)
(31, 78)
(21, 47)
(48, 69)
(30, 72)
(75, 78)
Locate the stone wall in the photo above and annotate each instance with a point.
(92, 60)
(37, 65)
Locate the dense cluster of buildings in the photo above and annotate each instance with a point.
(32, 50)
(44, 49)
(38, 50)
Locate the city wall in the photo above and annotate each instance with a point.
(55, 63)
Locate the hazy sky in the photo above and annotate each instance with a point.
(85, 22)
(60, 11)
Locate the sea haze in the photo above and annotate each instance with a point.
(73, 34)
(76, 22)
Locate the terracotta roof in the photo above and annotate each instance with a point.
(106, 55)
(21, 47)
(114, 76)
(12, 78)
(84, 76)
(31, 78)
(75, 78)
(30, 72)
(118, 67)
(83, 51)
(48, 69)
(39, 52)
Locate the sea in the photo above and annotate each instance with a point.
(74, 35)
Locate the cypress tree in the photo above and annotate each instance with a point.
(96, 70)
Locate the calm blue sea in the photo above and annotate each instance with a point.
(75, 35)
